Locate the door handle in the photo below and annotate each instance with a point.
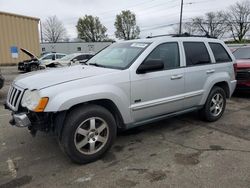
(210, 71)
(175, 77)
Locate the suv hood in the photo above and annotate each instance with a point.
(32, 56)
(49, 77)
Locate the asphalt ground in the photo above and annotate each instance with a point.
(178, 152)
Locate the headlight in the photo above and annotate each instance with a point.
(33, 101)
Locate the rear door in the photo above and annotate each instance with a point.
(198, 68)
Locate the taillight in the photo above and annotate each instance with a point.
(235, 69)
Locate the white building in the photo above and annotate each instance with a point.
(73, 47)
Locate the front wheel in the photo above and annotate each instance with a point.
(215, 105)
(33, 67)
(88, 133)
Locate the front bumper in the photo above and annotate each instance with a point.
(20, 120)
(23, 66)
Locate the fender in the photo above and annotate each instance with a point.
(67, 99)
(212, 80)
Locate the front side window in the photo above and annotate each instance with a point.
(118, 55)
(59, 56)
(220, 54)
(168, 53)
(196, 53)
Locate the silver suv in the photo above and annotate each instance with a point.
(126, 85)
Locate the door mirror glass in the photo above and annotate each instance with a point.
(150, 66)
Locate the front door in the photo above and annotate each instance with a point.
(158, 92)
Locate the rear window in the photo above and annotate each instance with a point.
(220, 54)
(196, 53)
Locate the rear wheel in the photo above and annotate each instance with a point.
(88, 133)
(215, 105)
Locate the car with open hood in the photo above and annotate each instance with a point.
(68, 60)
(33, 63)
(242, 56)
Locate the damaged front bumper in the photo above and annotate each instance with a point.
(20, 120)
(38, 121)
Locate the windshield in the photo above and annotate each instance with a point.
(68, 57)
(45, 56)
(118, 55)
(242, 53)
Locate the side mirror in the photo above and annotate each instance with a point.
(150, 66)
(53, 57)
(74, 60)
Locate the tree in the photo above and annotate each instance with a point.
(186, 28)
(125, 25)
(212, 24)
(90, 29)
(238, 19)
(53, 30)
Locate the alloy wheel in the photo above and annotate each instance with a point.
(91, 135)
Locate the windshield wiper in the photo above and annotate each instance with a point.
(96, 64)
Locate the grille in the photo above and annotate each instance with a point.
(14, 97)
(243, 75)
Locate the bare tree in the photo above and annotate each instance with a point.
(212, 24)
(238, 19)
(187, 27)
(53, 30)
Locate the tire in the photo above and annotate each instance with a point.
(88, 133)
(215, 105)
(33, 67)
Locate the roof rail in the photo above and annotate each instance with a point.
(189, 35)
(149, 37)
(182, 35)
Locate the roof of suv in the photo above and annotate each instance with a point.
(171, 38)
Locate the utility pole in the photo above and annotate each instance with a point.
(41, 32)
(181, 17)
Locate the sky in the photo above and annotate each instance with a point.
(154, 17)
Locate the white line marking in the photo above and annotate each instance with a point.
(12, 167)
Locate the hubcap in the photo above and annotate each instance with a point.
(217, 104)
(91, 135)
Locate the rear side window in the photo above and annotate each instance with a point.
(220, 54)
(196, 53)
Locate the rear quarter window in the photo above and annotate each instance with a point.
(220, 53)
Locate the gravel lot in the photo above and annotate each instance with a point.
(178, 152)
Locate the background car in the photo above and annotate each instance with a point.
(1, 80)
(242, 56)
(67, 60)
(33, 63)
